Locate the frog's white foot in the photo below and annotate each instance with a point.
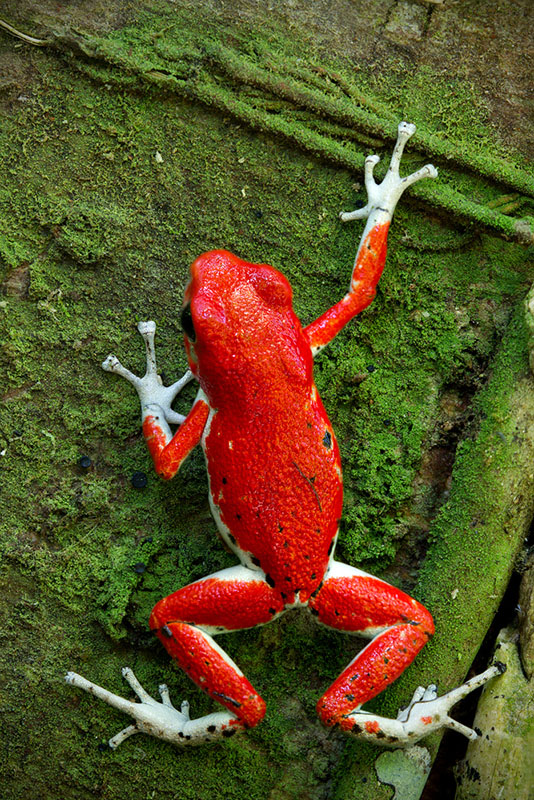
(154, 396)
(383, 197)
(161, 720)
(425, 713)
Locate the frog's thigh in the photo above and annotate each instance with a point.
(353, 601)
(186, 620)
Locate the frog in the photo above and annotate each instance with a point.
(276, 493)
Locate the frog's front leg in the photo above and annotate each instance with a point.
(371, 254)
(353, 601)
(154, 396)
(167, 451)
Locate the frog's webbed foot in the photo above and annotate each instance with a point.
(154, 396)
(161, 720)
(384, 196)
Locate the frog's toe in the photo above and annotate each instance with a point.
(428, 171)
(129, 677)
(421, 694)
(110, 363)
(116, 740)
(163, 690)
(184, 708)
(406, 129)
(430, 693)
(147, 328)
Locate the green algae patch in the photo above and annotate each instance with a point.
(129, 155)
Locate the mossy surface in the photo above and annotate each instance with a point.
(114, 179)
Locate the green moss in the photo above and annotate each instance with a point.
(107, 231)
(475, 540)
(267, 88)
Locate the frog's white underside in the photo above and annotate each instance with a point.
(426, 712)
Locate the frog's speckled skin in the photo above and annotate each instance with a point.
(276, 495)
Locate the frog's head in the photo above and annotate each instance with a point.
(236, 317)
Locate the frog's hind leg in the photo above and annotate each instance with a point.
(231, 599)
(185, 622)
(353, 601)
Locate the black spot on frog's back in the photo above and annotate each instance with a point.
(327, 440)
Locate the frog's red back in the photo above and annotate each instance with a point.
(273, 461)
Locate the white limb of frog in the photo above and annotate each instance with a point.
(425, 713)
(383, 197)
(161, 720)
(156, 399)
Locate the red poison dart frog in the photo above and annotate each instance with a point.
(275, 490)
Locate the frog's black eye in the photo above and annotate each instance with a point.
(186, 321)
